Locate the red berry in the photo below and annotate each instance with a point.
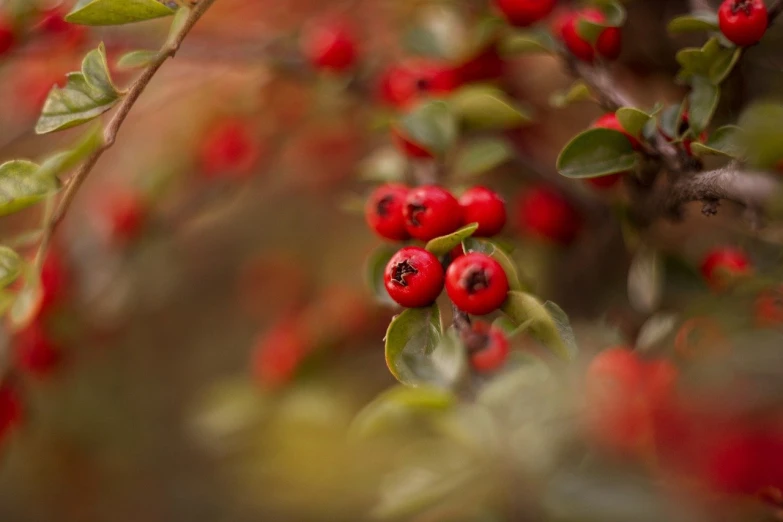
(605, 182)
(54, 280)
(607, 44)
(383, 211)
(52, 22)
(7, 36)
(699, 337)
(486, 65)
(431, 211)
(278, 353)
(11, 409)
(610, 121)
(769, 308)
(743, 22)
(229, 149)
(407, 82)
(408, 147)
(35, 352)
(494, 351)
(476, 283)
(125, 214)
(330, 45)
(413, 277)
(545, 213)
(456, 252)
(523, 13)
(724, 265)
(485, 207)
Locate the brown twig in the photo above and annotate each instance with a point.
(114, 125)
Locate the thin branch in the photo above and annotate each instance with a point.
(696, 6)
(774, 10)
(114, 125)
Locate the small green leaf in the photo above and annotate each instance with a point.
(485, 107)
(411, 338)
(645, 280)
(525, 42)
(10, 266)
(545, 328)
(86, 95)
(670, 120)
(116, 12)
(374, 269)
(614, 16)
(65, 160)
(136, 59)
(596, 152)
(490, 248)
(431, 125)
(761, 122)
(180, 19)
(399, 404)
(699, 21)
(723, 64)
(481, 156)
(632, 120)
(712, 61)
(385, 164)
(441, 246)
(702, 102)
(22, 185)
(728, 140)
(579, 91)
(27, 301)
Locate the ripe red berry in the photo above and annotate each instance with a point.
(52, 23)
(523, 13)
(607, 44)
(413, 277)
(7, 35)
(123, 216)
(545, 213)
(410, 80)
(485, 207)
(486, 65)
(330, 45)
(768, 308)
(35, 352)
(494, 351)
(743, 22)
(11, 409)
(605, 182)
(229, 149)
(383, 211)
(724, 265)
(54, 280)
(408, 147)
(278, 353)
(431, 211)
(610, 121)
(476, 283)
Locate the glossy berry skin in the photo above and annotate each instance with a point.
(545, 213)
(607, 45)
(431, 211)
(743, 22)
(383, 211)
(35, 352)
(7, 35)
(495, 351)
(723, 265)
(413, 277)
(330, 45)
(476, 283)
(229, 150)
(11, 409)
(411, 80)
(523, 13)
(610, 121)
(409, 147)
(485, 207)
(768, 308)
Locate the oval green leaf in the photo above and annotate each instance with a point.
(579, 91)
(10, 266)
(527, 42)
(700, 21)
(596, 152)
(136, 59)
(632, 119)
(702, 102)
(728, 140)
(441, 246)
(549, 325)
(485, 107)
(116, 12)
(431, 125)
(21, 186)
(482, 156)
(410, 339)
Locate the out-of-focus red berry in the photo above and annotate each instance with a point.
(52, 23)
(411, 80)
(11, 409)
(230, 149)
(495, 351)
(545, 213)
(610, 121)
(278, 353)
(700, 337)
(768, 308)
(724, 265)
(607, 45)
(523, 13)
(409, 147)
(35, 352)
(486, 65)
(485, 207)
(7, 35)
(330, 44)
(123, 215)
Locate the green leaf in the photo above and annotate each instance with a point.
(614, 13)
(374, 269)
(65, 160)
(385, 164)
(399, 404)
(441, 246)
(549, 324)
(632, 120)
(728, 140)
(670, 120)
(180, 19)
(411, 338)
(431, 125)
(137, 59)
(702, 102)
(645, 280)
(699, 21)
(10, 266)
(22, 185)
(723, 63)
(27, 301)
(579, 91)
(485, 107)
(481, 156)
(525, 42)
(116, 12)
(712, 61)
(596, 152)
(761, 122)
(491, 249)
(86, 95)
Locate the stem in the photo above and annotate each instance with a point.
(114, 125)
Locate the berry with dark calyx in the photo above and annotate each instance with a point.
(230, 149)
(523, 13)
(413, 277)
(493, 348)
(476, 283)
(607, 45)
(11, 408)
(330, 45)
(545, 213)
(431, 211)
(743, 22)
(35, 352)
(723, 266)
(383, 211)
(409, 147)
(411, 80)
(485, 207)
